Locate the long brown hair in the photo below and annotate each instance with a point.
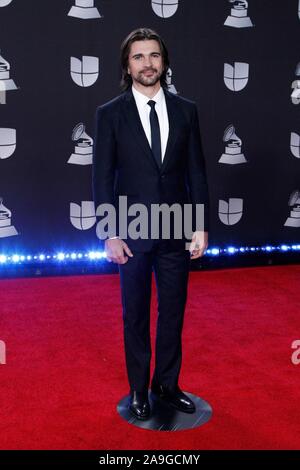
(141, 34)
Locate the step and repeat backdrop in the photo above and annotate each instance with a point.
(59, 59)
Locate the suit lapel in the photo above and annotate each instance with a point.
(173, 127)
(133, 119)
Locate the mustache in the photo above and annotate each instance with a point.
(149, 70)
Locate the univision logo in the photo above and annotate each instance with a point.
(236, 75)
(83, 216)
(85, 71)
(8, 142)
(230, 213)
(164, 8)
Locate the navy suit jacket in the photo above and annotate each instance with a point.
(123, 164)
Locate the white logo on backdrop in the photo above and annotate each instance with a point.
(83, 153)
(6, 83)
(85, 10)
(295, 96)
(83, 216)
(86, 71)
(236, 76)
(230, 212)
(171, 87)
(294, 202)
(232, 155)
(164, 8)
(4, 3)
(295, 144)
(299, 9)
(6, 229)
(238, 17)
(8, 142)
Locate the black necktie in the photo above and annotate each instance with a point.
(155, 133)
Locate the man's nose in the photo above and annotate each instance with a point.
(148, 61)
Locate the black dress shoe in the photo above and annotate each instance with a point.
(139, 404)
(174, 397)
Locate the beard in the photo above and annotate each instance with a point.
(148, 80)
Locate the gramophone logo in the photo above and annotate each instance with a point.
(83, 216)
(6, 229)
(294, 202)
(231, 212)
(83, 153)
(238, 17)
(164, 8)
(171, 87)
(4, 3)
(8, 142)
(85, 10)
(295, 144)
(295, 96)
(2, 352)
(236, 76)
(86, 71)
(233, 147)
(6, 83)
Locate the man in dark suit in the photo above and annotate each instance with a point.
(148, 148)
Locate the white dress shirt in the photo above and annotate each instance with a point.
(162, 113)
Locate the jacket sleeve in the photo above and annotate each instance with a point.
(104, 161)
(196, 174)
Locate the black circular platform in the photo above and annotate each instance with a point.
(164, 417)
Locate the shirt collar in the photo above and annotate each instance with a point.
(142, 99)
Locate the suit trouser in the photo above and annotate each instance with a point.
(171, 270)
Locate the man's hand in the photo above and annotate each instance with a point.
(116, 251)
(198, 244)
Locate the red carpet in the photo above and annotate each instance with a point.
(65, 370)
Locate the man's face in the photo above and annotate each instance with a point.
(145, 63)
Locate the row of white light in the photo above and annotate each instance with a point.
(100, 255)
(232, 250)
(92, 255)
